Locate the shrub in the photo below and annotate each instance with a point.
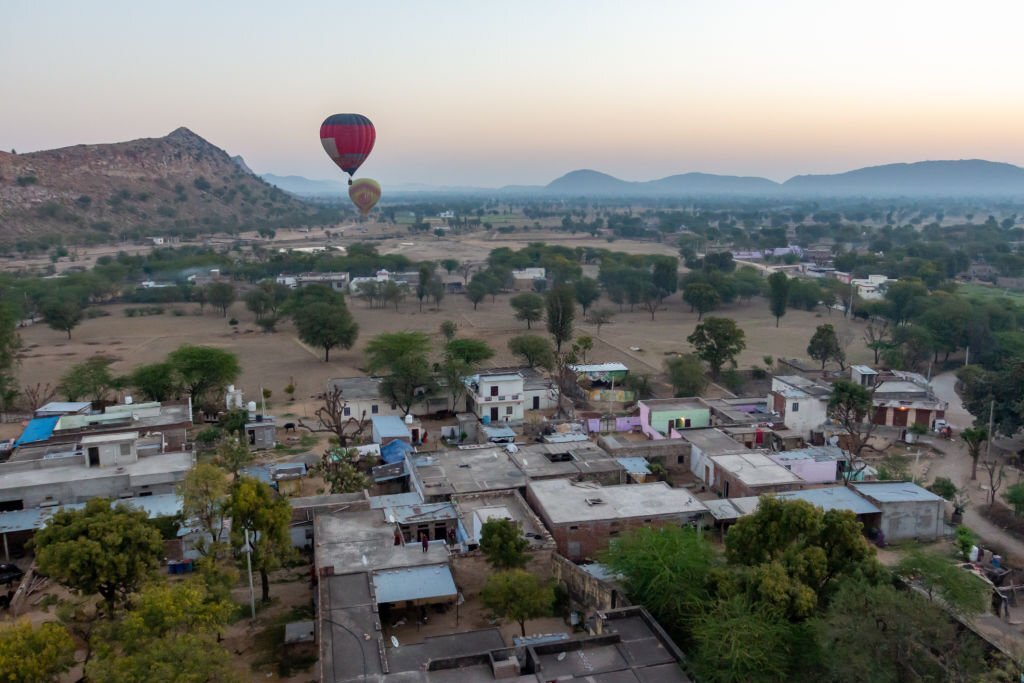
(233, 322)
(26, 180)
(965, 538)
(943, 486)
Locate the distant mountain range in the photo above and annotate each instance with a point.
(971, 177)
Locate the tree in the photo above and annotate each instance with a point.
(258, 302)
(204, 499)
(156, 381)
(333, 419)
(600, 317)
(410, 380)
(878, 337)
(959, 590)
(503, 544)
(63, 315)
(34, 654)
(529, 307)
(996, 473)
(233, 456)
(99, 549)
(666, 569)
(650, 296)
(476, 291)
(221, 295)
(426, 274)
(665, 275)
(561, 312)
(10, 343)
(587, 292)
(90, 380)
(465, 268)
(686, 375)
(472, 352)
(435, 288)
(256, 508)
(517, 595)
(778, 294)
(202, 369)
(535, 351)
(824, 346)
(201, 295)
(326, 326)
(974, 437)
(449, 329)
(338, 468)
(850, 406)
(392, 293)
(583, 345)
(702, 298)
(736, 642)
(718, 341)
(449, 264)
(388, 348)
(170, 634)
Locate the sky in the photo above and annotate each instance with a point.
(489, 93)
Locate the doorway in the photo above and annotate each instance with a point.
(494, 414)
(94, 456)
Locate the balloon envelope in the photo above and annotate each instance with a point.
(348, 139)
(364, 193)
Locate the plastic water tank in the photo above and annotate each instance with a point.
(128, 400)
(251, 406)
(408, 419)
(487, 419)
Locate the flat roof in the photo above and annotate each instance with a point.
(864, 369)
(498, 376)
(363, 540)
(566, 501)
(896, 492)
(467, 471)
(414, 583)
(600, 367)
(358, 388)
(390, 426)
(712, 441)
(726, 509)
(395, 499)
(154, 464)
(816, 453)
(511, 504)
(634, 464)
(833, 498)
(808, 387)
(64, 407)
(498, 432)
(107, 438)
(900, 386)
(755, 469)
(420, 512)
(137, 416)
(688, 403)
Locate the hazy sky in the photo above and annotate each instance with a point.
(488, 93)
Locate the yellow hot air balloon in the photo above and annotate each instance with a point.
(365, 194)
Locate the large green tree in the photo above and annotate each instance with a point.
(326, 325)
(170, 634)
(528, 306)
(410, 379)
(974, 437)
(204, 370)
(503, 544)
(736, 642)
(940, 578)
(257, 508)
(385, 349)
(851, 407)
(824, 346)
(155, 381)
(702, 298)
(561, 312)
(686, 375)
(718, 341)
(204, 497)
(517, 595)
(90, 380)
(472, 352)
(221, 294)
(587, 292)
(778, 295)
(34, 654)
(63, 314)
(535, 351)
(10, 343)
(100, 549)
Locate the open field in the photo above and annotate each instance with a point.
(989, 292)
(274, 360)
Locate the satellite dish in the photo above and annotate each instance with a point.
(394, 641)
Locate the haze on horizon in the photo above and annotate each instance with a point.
(520, 92)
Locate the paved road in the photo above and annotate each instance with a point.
(945, 388)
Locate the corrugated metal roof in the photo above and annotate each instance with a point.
(896, 492)
(414, 583)
(634, 465)
(833, 498)
(395, 499)
(63, 407)
(419, 512)
(37, 429)
(726, 509)
(389, 426)
(163, 505)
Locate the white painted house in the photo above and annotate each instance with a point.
(496, 397)
(801, 403)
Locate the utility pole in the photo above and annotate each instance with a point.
(988, 441)
(967, 356)
(247, 549)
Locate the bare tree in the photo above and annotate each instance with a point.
(996, 473)
(878, 337)
(851, 407)
(600, 317)
(38, 395)
(332, 419)
(465, 270)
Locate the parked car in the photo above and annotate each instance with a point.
(9, 573)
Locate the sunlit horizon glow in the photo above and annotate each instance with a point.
(488, 94)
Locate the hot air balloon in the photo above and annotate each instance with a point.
(364, 193)
(348, 139)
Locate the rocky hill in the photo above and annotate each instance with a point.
(179, 184)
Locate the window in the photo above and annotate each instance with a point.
(374, 409)
(795, 408)
(347, 411)
(494, 390)
(126, 449)
(680, 459)
(508, 411)
(574, 528)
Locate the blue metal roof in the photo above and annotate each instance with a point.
(37, 429)
(833, 498)
(389, 426)
(414, 583)
(896, 492)
(395, 451)
(634, 465)
(163, 505)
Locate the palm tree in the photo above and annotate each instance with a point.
(974, 437)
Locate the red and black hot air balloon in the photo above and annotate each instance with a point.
(348, 139)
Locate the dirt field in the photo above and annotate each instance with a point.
(274, 360)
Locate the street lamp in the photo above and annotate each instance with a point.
(247, 549)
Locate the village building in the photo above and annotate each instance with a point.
(871, 288)
(527, 278)
(469, 469)
(496, 397)
(750, 474)
(908, 511)
(583, 517)
(577, 460)
(666, 418)
(603, 381)
(725, 511)
(339, 282)
(900, 399)
(362, 399)
(705, 444)
(801, 403)
(814, 464)
(672, 454)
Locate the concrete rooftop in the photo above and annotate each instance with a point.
(166, 463)
(364, 541)
(467, 471)
(565, 501)
(755, 469)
